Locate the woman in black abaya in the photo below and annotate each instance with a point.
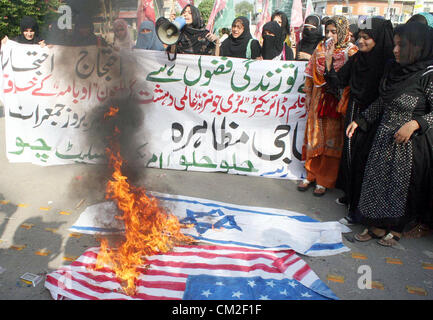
(397, 184)
(311, 36)
(274, 47)
(194, 38)
(29, 32)
(362, 73)
(281, 18)
(240, 43)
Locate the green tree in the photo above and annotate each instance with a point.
(205, 8)
(11, 13)
(244, 8)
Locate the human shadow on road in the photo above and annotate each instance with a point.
(34, 245)
(7, 210)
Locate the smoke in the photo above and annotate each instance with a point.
(84, 7)
(128, 119)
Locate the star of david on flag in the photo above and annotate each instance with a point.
(226, 221)
(229, 224)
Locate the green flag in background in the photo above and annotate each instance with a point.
(225, 17)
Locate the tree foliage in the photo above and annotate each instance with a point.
(11, 13)
(244, 8)
(205, 8)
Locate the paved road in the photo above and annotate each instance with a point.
(38, 204)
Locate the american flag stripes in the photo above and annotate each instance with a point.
(168, 274)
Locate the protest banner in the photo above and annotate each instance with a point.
(198, 113)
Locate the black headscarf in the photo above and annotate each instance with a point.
(237, 47)
(368, 67)
(422, 17)
(272, 45)
(28, 23)
(193, 36)
(284, 22)
(311, 38)
(416, 54)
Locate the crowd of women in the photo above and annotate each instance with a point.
(194, 39)
(370, 113)
(369, 98)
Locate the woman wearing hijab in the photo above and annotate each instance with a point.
(311, 36)
(147, 38)
(240, 43)
(323, 140)
(274, 47)
(362, 73)
(29, 32)
(422, 17)
(281, 18)
(122, 37)
(397, 185)
(194, 38)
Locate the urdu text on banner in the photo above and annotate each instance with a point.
(198, 113)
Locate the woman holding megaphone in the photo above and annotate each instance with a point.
(194, 38)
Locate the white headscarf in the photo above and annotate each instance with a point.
(126, 42)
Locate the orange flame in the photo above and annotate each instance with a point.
(111, 113)
(149, 229)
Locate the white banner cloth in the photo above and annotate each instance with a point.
(197, 113)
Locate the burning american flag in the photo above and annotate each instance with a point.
(195, 272)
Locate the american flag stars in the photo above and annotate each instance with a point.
(206, 293)
(204, 272)
(270, 283)
(251, 283)
(251, 288)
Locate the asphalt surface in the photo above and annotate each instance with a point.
(39, 204)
